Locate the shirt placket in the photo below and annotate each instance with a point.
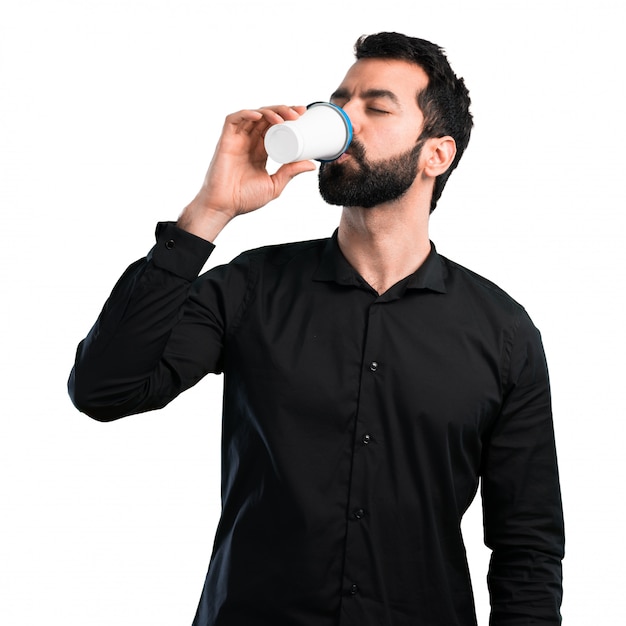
(360, 571)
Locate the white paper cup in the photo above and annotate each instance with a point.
(323, 132)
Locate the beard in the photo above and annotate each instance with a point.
(365, 183)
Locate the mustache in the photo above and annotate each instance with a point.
(357, 151)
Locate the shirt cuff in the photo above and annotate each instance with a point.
(179, 252)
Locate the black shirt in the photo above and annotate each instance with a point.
(356, 428)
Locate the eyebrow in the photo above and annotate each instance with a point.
(343, 94)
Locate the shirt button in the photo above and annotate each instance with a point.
(359, 514)
(354, 589)
(374, 366)
(367, 438)
(170, 245)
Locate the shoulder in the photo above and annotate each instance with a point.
(470, 284)
(280, 254)
(483, 298)
(486, 305)
(273, 262)
(279, 261)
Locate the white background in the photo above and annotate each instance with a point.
(109, 112)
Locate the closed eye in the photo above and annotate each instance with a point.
(381, 111)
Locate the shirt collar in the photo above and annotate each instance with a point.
(334, 267)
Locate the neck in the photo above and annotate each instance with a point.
(386, 243)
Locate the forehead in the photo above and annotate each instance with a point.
(403, 78)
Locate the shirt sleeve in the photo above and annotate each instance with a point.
(155, 337)
(521, 496)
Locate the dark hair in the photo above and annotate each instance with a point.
(445, 101)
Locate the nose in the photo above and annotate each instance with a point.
(355, 119)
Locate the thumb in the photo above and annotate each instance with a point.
(288, 172)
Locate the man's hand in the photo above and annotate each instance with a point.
(237, 181)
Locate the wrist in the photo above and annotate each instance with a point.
(203, 221)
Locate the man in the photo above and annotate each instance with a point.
(369, 383)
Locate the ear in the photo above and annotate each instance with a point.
(439, 152)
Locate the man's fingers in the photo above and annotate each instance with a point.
(259, 120)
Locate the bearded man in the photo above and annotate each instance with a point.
(370, 384)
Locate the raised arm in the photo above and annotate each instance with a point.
(154, 338)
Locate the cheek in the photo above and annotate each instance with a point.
(389, 144)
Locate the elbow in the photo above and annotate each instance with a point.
(90, 401)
